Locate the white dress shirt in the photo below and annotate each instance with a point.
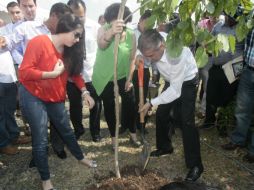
(7, 71)
(175, 71)
(23, 33)
(91, 30)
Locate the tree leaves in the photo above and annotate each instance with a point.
(187, 33)
(201, 57)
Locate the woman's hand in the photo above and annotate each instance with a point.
(59, 68)
(117, 27)
(128, 85)
(88, 100)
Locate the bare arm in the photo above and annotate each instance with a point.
(105, 36)
(132, 65)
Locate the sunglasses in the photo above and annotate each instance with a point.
(77, 35)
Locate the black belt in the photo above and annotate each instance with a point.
(251, 68)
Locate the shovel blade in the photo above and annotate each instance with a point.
(145, 155)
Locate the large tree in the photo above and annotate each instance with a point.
(187, 32)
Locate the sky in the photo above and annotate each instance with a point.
(94, 7)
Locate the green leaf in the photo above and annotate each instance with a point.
(241, 29)
(174, 47)
(222, 38)
(150, 22)
(201, 57)
(183, 25)
(232, 42)
(210, 7)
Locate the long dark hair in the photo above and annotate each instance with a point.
(74, 56)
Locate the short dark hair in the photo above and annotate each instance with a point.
(146, 14)
(150, 39)
(60, 9)
(33, 1)
(12, 4)
(73, 56)
(112, 10)
(76, 3)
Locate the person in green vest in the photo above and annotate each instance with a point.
(103, 73)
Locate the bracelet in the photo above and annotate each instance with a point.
(85, 92)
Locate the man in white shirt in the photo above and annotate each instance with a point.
(179, 93)
(74, 94)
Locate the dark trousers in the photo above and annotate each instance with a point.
(185, 106)
(9, 130)
(136, 90)
(127, 107)
(75, 99)
(219, 92)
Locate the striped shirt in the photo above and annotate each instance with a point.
(249, 49)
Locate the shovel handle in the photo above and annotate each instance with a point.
(141, 87)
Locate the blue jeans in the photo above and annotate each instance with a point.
(9, 130)
(244, 110)
(37, 112)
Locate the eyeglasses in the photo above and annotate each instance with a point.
(77, 35)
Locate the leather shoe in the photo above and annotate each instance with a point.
(231, 146)
(248, 158)
(9, 150)
(61, 154)
(96, 138)
(158, 153)
(79, 134)
(22, 140)
(194, 173)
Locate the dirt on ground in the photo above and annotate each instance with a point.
(223, 170)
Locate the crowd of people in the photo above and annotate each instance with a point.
(69, 55)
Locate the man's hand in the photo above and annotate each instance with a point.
(88, 101)
(128, 85)
(145, 108)
(2, 42)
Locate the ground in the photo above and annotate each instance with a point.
(223, 170)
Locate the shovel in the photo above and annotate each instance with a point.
(146, 149)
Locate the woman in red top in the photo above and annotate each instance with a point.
(47, 63)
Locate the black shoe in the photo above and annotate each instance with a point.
(231, 146)
(207, 126)
(248, 158)
(31, 163)
(194, 173)
(61, 154)
(158, 153)
(96, 138)
(79, 134)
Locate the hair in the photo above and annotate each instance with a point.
(111, 13)
(60, 9)
(33, 1)
(146, 14)
(73, 56)
(12, 4)
(150, 39)
(76, 3)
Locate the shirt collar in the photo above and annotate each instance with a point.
(164, 57)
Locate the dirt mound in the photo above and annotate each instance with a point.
(133, 179)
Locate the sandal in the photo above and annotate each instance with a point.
(89, 163)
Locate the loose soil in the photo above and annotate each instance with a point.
(222, 169)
